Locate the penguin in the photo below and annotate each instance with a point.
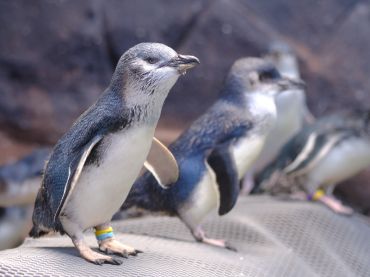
(19, 183)
(93, 166)
(292, 111)
(327, 152)
(214, 153)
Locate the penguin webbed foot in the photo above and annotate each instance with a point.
(336, 205)
(93, 257)
(100, 259)
(200, 236)
(113, 246)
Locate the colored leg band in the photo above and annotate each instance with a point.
(317, 195)
(104, 234)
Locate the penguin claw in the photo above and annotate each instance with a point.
(136, 252)
(107, 261)
(230, 247)
(114, 261)
(99, 259)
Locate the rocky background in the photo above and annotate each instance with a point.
(56, 57)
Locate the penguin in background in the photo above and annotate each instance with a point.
(215, 152)
(327, 152)
(292, 111)
(19, 183)
(93, 166)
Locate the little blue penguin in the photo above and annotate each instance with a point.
(214, 153)
(20, 181)
(292, 110)
(93, 166)
(19, 184)
(329, 151)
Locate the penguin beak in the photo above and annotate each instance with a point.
(183, 63)
(288, 83)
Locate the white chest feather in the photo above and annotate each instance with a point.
(101, 189)
(245, 153)
(246, 150)
(290, 114)
(204, 200)
(261, 105)
(342, 162)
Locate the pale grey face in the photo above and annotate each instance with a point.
(260, 76)
(153, 67)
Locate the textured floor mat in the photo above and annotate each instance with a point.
(274, 238)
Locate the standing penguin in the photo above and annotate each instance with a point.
(292, 111)
(323, 154)
(94, 165)
(218, 148)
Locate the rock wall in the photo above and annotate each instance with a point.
(56, 57)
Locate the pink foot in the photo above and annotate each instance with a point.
(336, 205)
(200, 236)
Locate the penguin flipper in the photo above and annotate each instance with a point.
(317, 146)
(224, 167)
(162, 164)
(75, 169)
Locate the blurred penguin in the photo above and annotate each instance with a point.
(215, 152)
(292, 111)
(325, 153)
(19, 183)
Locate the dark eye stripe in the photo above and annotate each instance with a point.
(151, 60)
(269, 74)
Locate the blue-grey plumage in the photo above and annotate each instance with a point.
(292, 111)
(216, 150)
(109, 142)
(19, 183)
(333, 149)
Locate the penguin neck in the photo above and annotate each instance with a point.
(261, 109)
(233, 92)
(144, 106)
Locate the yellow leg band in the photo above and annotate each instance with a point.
(104, 231)
(318, 194)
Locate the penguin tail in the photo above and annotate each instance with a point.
(42, 218)
(36, 232)
(148, 195)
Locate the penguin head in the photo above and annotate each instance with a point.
(284, 58)
(256, 75)
(148, 69)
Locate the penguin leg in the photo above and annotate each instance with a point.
(336, 205)
(201, 236)
(330, 201)
(109, 245)
(76, 234)
(247, 183)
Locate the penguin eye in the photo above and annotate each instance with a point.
(269, 75)
(151, 60)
